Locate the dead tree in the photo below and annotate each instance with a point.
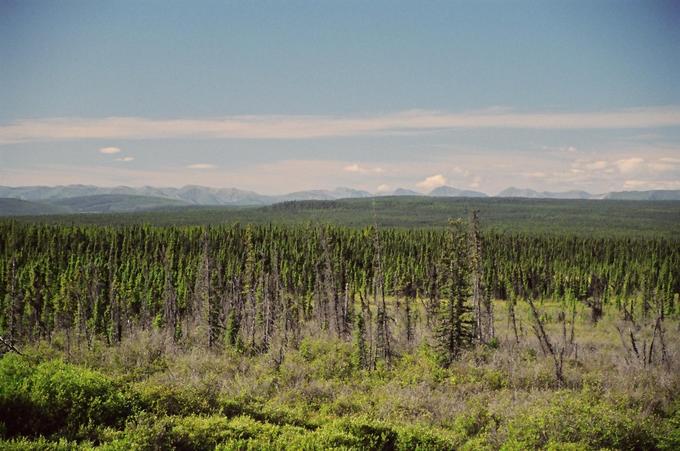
(483, 307)
(638, 350)
(555, 350)
(512, 319)
(8, 346)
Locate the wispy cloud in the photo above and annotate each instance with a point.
(309, 127)
(106, 150)
(628, 165)
(125, 159)
(363, 169)
(651, 184)
(201, 166)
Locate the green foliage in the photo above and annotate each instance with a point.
(594, 423)
(167, 400)
(55, 397)
(41, 444)
(669, 433)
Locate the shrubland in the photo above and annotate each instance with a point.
(150, 392)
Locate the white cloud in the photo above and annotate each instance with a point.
(384, 188)
(651, 184)
(665, 164)
(107, 150)
(362, 169)
(432, 182)
(560, 149)
(629, 165)
(125, 159)
(201, 166)
(309, 127)
(596, 165)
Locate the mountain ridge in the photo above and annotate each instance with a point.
(149, 197)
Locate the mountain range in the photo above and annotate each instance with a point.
(94, 199)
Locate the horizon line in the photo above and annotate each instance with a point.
(372, 194)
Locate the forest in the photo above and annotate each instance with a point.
(317, 336)
(603, 218)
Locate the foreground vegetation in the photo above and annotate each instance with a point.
(317, 337)
(151, 393)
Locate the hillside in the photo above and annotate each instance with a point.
(207, 196)
(644, 195)
(599, 217)
(115, 203)
(19, 207)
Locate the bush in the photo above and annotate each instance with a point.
(202, 433)
(168, 400)
(55, 397)
(42, 444)
(70, 398)
(16, 410)
(426, 438)
(669, 434)
(570, 419)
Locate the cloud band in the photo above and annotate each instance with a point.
(310, 127)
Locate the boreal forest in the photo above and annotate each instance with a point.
(316, 336)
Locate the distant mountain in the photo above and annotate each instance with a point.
(644, 195)
(449, 191)
(349, 193)
(201, 195)
(321, 194)
(404, 192)
(95, 199)
(532, 194)
(19, 207)
(99, 203)
(191, 194)
(570, 195)
(115, 203)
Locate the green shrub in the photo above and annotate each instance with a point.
(196, 432)
(327, 359)
(41, 444)
(70, 398)
(369, 434)
(425, 438)
(16, 410)
(571, 418)
(55, 397)
(167, 400)
(669, 434)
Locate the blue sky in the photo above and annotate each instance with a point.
(282, 96)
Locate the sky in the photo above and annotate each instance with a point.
(278, 96)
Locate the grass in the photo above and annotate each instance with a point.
(148, 393)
